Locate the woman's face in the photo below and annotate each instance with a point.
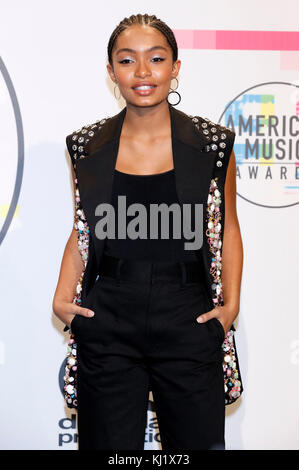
(142, 55)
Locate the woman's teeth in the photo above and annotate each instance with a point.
(144, 87)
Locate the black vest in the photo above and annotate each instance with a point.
(201, 152)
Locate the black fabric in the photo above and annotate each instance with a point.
(144, 336)
(148, 189)
(147, 333)
(144, 270)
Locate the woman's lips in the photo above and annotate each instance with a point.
(144, 92)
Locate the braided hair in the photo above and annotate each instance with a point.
(144, 20)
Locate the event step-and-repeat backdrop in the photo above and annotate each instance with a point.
(240, 67)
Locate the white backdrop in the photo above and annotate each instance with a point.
(54, 58)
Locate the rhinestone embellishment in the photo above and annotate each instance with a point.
(206, 127)
(83, 231)
(232, 382)
(88, 129)
(70, 377)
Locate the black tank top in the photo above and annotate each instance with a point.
(147, 189)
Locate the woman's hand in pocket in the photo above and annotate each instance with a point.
(66, 311)
(223, 313)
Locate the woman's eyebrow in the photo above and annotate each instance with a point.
(126, 49)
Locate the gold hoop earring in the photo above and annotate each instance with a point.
(174, 78)
(174, 92)
(116, 86)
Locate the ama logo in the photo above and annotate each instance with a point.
(265, 119)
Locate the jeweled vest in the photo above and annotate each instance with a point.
(201, 152)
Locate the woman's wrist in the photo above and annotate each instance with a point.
(233, 310)
(61, 308)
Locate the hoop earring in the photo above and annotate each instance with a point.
(116, 86)
(175, 92)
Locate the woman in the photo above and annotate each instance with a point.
(149, 313)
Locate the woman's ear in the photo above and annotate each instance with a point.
(111, 73)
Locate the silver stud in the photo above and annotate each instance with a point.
(221, 154)
(223, 136)
(215, 137)
(214, 147)
(81, 139)
(75, 137)
(90, 133)
(102, 121)
(80, 149)
(205, 131)
(219, 163)
(195, 119)
(222, 145)
(84, 131)
(213, 129)
(207, 148)
(94, 125)
(74, 147)
(204, 125)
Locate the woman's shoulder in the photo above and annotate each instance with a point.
(219, 139)
(209, 128)
(77, 140)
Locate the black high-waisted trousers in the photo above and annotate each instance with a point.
(144, 336)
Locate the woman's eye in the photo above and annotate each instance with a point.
(160, 58)
(122, 61)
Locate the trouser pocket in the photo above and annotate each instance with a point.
(74, 320)
(220, 329)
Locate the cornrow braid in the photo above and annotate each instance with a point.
(146, 20)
